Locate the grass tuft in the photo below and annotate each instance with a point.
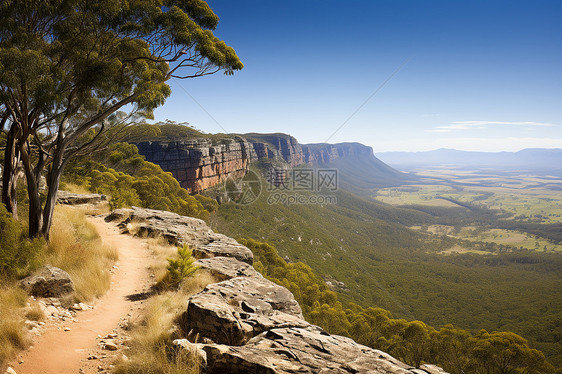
(35, 312)
(12, 332)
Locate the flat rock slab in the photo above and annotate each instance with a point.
(303, 350)
(180, 230)
(70, 198)
(223, 268)
(50, 281)
(233, 311)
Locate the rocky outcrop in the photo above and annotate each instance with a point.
(180, 230)
(224, 268)
(323, 153)
(50, 281)
(69, 198)
(304, 350)
(233, 311)
(247, 323)
(198, 164)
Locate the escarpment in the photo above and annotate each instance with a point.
(199, 164)
(247, 323)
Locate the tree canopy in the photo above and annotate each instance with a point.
(67, 65)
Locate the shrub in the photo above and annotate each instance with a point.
(208, 203)
(18, 255)
(180, 268)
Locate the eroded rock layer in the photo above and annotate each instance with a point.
(249, 324)
(198, 164)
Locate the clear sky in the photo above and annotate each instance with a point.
(473, 75)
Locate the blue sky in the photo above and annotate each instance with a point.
(474, 75)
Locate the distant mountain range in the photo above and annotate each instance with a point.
(536, 160)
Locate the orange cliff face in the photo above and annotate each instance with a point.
(198, 164)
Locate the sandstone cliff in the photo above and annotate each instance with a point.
(199, 164)
(249, 324)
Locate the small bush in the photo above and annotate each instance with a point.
(208, 203)
(179, 269)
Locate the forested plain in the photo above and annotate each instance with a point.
(370, 247)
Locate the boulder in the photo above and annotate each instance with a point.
(302, 350)
(223, 246)
(50, 281)
(223, 268)
(233, 311)
(70, 198)
(180, 230)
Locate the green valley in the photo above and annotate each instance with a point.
(384, 259)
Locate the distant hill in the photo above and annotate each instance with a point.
(536, 160)
(359, 171)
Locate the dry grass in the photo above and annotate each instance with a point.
(161, 251)
(75, 247)
(35, 312)
(12, 332)
(151, 349)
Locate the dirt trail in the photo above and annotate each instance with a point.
(60, 352)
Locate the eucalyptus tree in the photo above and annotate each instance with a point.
(67, 65)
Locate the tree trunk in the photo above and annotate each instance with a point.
(35, 208)
(53, 181)
(10, 174)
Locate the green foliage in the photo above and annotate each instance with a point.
(162, 131)
(18, 255)
(413, 342)
(209, 204)
(180, 268)
(68, 66)
(89, 52)
(504, 352)
(123, 174)
(170, 131)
